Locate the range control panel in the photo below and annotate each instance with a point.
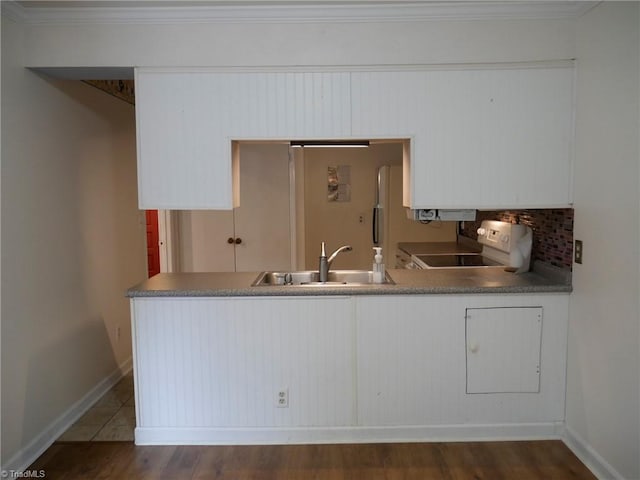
(500, 235)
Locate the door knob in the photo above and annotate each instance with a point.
(238, 241)
(230, 241)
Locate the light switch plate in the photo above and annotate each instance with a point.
(577, 252)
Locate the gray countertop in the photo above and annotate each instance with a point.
(408, 282)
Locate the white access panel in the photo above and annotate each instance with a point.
(503, 349)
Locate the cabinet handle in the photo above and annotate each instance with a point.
(238, 241)
(473, 347)
(230, 241)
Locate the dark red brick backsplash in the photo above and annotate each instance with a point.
(552, 232)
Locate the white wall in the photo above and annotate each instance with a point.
(220, 44)
(603, 405)
(603, 372)
(71, 243)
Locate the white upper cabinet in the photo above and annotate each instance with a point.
(387, 104)
(182, 161)
(495, 137)
(187, 119)
(480, 137)
(287, 105)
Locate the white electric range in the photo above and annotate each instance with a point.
(504, 245)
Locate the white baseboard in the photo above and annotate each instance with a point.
(28, 454)
(394, 434)
(587, 455)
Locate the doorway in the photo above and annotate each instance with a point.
(257, 235)
(153, 243)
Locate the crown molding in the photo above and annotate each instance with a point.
(13, 11)
(284, 11)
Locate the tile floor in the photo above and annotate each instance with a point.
(112, 418)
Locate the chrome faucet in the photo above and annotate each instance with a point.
(325, 263)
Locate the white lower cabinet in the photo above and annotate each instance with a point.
(412, 358)
(221, 362)
(351, 369)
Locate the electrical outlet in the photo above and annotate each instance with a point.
(577, 252)
(282, 400)
(118, 333)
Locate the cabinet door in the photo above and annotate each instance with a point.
(186, 121)
(205, 362)
(497, 138)
(503, 349)
(262, 221)
(410, 360)
(480, 138)
(203, 244)
(184, 156)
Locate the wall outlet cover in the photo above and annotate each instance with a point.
(282, 400)
(577, 252)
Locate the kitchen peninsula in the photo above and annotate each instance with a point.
(466, 281)
(437, 355)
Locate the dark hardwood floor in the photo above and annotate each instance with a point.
(421, 461)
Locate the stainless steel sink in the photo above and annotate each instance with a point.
(310, 278)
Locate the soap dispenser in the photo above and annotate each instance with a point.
(378, 266)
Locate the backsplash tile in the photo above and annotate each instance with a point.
(552, 232)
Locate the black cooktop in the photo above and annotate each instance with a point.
(449, 261)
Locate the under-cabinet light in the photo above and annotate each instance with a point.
(329, 143)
